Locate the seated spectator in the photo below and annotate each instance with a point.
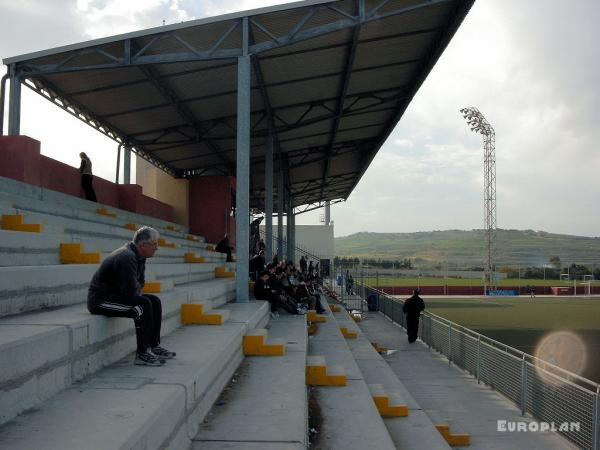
(225, 247)
(285, 291)
(116, 291)
(263, 291)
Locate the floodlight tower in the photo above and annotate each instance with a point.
(480, 125)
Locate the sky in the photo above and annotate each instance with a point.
(531, 67)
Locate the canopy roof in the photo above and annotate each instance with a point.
(330, 80)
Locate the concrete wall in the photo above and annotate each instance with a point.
(21, 160)
(163, 187)
(316, 239)
(210, 206)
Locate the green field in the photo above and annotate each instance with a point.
(435, 281)
(521, 322)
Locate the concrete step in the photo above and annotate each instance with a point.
(453, 436)
(55, 224)
(350, 417)
(33, 249)
(257, 343)
(23, 194)
(127, 406)
(44, 352)
(405, 431)
(29, 288)
(267, 405)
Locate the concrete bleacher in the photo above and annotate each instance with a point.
(48, 340)
(356, 418)
(67, 377)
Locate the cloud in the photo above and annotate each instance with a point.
(530, 67)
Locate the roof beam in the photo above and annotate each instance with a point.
(192, 54)
(74, 108)
(343, 91)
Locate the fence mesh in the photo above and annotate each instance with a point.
(563, 401)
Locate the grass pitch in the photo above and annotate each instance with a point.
(521, 322)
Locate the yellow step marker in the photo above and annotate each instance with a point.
(382, 402)
(318, 374)
(222, 272)
(14, 222)
(105, 212)
(255, 344)
(172, 228)
(210, 248)
(312, 328)
(152, 287)
(348, 334)
(453, 439)
(334, 308)
(190, 257)
(131, 226)
(164, 243)
(379, 348)
(313, 317)
(71, 253)
(189, 237)
(193, 314)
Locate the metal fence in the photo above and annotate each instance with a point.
(548, 393)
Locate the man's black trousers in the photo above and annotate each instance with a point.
(146, 312)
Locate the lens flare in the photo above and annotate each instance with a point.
(564, 349)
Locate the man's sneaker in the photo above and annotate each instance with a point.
(148, 359)
(301, 311)
(163, 353)
(274, 315)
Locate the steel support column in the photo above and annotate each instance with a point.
(280, 203)
(126, 165)
(243, 171)
(269, 198)
(289, 227)
(292, 235)
(14, 108)
(327, 213)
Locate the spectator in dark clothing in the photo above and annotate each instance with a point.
(86, 177)
(223, 246)
(255, 234)
(264, 291)
(116, 291)
(412, 308)
(257, 265)
(311, 268)
(303, 265)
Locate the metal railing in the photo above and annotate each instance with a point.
(548, 393)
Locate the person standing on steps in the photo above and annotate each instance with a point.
(412, 308)
(86, 177)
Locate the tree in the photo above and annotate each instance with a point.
(555, 262)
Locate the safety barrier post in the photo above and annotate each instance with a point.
(523, 384)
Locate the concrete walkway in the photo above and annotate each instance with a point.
(454, 394)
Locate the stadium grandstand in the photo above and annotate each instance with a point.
(277, 110)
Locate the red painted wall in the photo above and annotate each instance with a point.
(20, 159)
(210, 203)
(478, 290)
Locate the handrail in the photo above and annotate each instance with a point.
(300, 250)
(549, 393)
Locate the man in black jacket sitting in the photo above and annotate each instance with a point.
(116, 291)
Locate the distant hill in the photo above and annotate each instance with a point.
(459, 247)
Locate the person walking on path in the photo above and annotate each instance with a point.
(86, 177)
(412, 308)
(116, 291)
